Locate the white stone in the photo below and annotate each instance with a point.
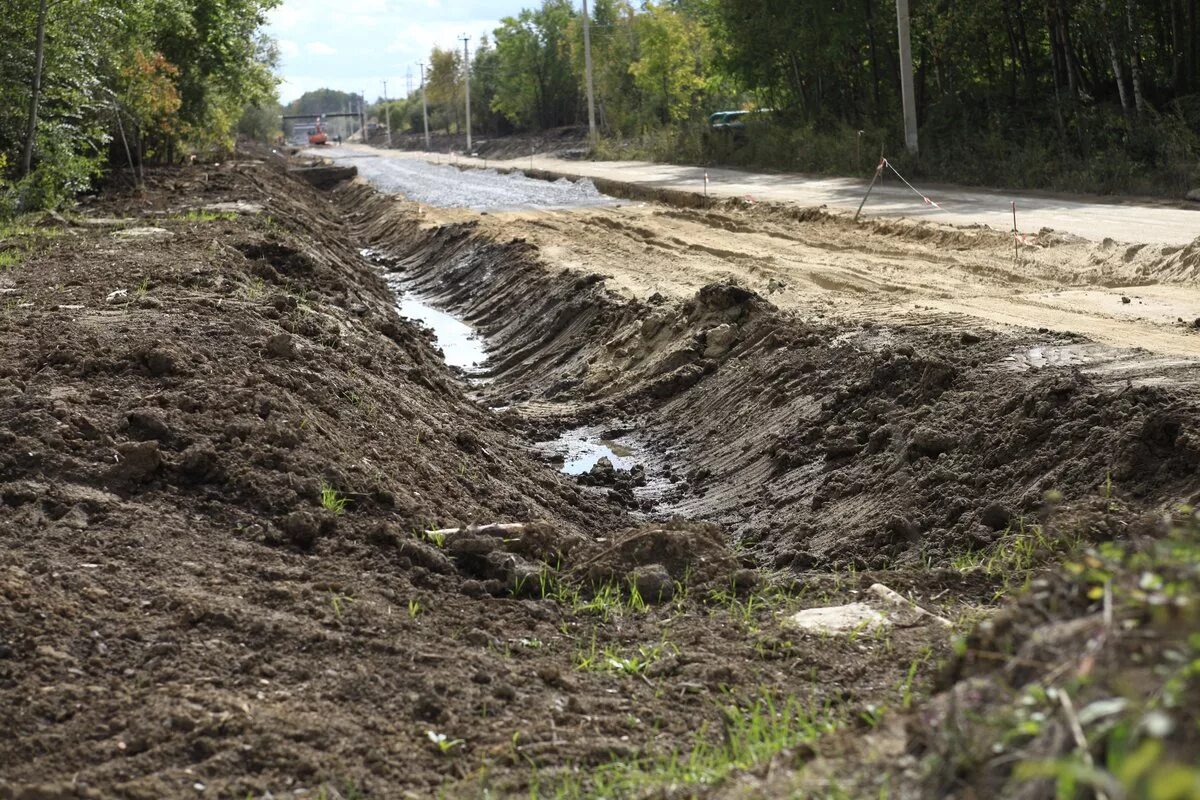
(837, 619)
(135, 233)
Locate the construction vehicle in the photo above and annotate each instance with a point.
(313, 125)
(317, 135)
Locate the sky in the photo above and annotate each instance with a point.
(355, 45)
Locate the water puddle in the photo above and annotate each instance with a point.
(1043, 356)
(461, 345)
(580, 449)
(583, 454)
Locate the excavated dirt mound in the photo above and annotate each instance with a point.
(817, 443)
(258, 541)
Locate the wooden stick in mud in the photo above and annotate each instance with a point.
(897, 599)
(878, 172)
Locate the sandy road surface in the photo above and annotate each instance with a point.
(1092, 218)
(892, 272)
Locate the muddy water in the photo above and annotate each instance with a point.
(461, 346)
(578, 449)
(582, 448)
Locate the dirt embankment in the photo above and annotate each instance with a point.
(221, 450)
(817, 443)
(233, 492)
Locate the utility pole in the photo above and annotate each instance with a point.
(407, 81)
(467, 74)
(906, 77)
(362, 116)
(587, 67)
(424, 106)
(388, 111)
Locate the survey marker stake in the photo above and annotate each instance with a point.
(878, 172)
(1016, 236)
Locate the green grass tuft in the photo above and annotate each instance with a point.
(332, 499)
(750, 737)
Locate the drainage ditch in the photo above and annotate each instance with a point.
(815, 445)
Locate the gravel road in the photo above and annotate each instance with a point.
(1094, 218)
(447, 186)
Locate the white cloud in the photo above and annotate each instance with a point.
(386, 38)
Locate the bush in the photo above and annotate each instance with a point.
(59, 175)
(1099, 150)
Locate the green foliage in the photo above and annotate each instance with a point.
(1008, 94)
(445, 87)
(155, 76)
(675, 49)
(332, 499)
(614, 661)
(1127, 686)
(21, 236)
(260, 121)
(1019, 549)
(749, 736)
(200, 215)
(536, 85)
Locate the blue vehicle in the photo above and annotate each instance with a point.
(735, 120)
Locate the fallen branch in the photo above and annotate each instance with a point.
(897, 599)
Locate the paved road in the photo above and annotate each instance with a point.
(1126, 221)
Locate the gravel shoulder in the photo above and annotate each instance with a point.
(1092, 217)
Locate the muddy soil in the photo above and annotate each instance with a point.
(259, 539)
(223, 450)
(817, 443)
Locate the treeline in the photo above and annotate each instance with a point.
(90, 84)
(1076, 94)
(654, 64)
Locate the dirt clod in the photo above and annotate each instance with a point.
(284, 345)
(653, 583)
(137, 462)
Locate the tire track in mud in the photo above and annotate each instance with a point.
(816, 444)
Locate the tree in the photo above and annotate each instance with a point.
(675, 50)
(35, 93)
(178, 71)
(445, 87)
(537, 85)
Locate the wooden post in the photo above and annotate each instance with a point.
(1016, 254)
(878, 172)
